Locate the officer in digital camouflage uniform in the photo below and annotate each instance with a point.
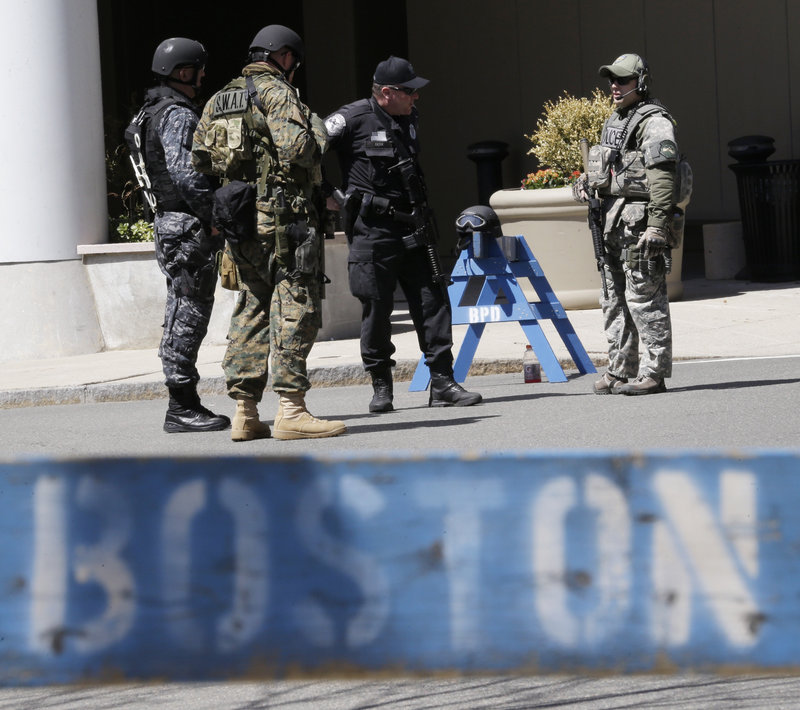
(256, 130)
(185, 247)
(633, 171)
(371, 137)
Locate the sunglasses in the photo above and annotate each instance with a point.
(404, 89)
(621, 80)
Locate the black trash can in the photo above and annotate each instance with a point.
(769, 201)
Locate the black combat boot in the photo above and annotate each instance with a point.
(185, 413)
(446, 392)
(383, 392)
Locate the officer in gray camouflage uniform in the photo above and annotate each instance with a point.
(185, 247)
(257, 131)
(633, 171)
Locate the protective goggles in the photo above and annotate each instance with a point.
(470, 222)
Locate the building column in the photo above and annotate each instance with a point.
(52, 169)
(52, 177)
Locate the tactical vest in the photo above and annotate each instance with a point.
(145, 125)
(233, 140)
(616, 169)
(368, 155)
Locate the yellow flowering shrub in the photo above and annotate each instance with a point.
(548, 178)
(556, 140)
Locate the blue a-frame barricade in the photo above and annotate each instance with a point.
(484, 257)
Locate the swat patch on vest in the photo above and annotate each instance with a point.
(233, 101)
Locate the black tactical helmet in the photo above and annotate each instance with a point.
(272, 37)
(178, 52)
(478, 219)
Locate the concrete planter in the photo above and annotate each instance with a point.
(129, 293)
(341, 311)
(556, 229)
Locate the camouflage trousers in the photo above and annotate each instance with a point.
(636, 313)
(189, 266)
(281, 320)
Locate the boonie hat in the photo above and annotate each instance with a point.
(623, 66)
(396, 70)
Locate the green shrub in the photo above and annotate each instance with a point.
(139, 231)
(556, 140)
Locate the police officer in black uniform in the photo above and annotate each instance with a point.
(185, 246)
(371, 136)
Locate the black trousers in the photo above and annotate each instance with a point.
(378, 262)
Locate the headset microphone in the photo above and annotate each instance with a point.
(622, 96)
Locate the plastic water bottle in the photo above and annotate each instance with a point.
(531, 370)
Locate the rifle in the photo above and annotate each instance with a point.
(426, 233)
(595, 221)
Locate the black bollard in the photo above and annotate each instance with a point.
(488, 156)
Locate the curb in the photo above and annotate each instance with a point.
(336, 376)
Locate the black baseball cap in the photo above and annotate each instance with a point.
(398, 71)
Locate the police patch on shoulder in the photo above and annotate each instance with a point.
(668, 150)
(335, 124)
(233, 101)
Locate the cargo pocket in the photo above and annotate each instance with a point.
(295, 317)
(363, 275)
(189, 327)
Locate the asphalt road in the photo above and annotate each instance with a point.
(710, 404)
(730, 404)
(684, 692)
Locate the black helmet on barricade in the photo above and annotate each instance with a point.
(178, 52)
(480, 219)
(272, 37)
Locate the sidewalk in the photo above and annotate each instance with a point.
(714, 319)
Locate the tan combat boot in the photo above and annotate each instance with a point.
(644, 385)
(609, 384)
(246, 425)
(293, 420)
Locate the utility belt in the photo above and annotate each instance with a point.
(171, 206)
(376, 206)
(400, 211)
(297, 251)
(634, 258)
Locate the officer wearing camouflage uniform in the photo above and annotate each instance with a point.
(633, 171)
(371, 136)
(185, 246)
(278, 310)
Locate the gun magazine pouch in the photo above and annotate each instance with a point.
(228, 273)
